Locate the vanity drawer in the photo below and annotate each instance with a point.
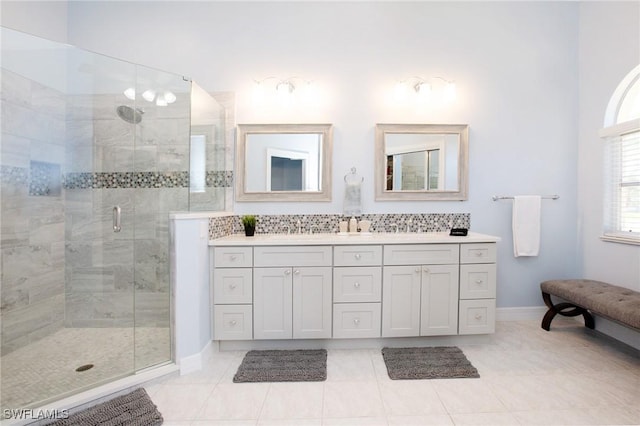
(232, 285)
(357, 284)
(353, 320)
(232, 322)
(477, 316)
(278, 256)
(478, 253)
(421, 254)
(478, 281)
(357, 255)
(233, 257)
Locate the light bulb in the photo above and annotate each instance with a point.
(284, 88)
(149, 95)
(423, 89)
(161, 101)
(449, 94)
(169, 97)
(401, 91)
(130, 93)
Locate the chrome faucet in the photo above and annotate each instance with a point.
(409, 222)
(396, 226)
(287, 226)
(299, 227)
(311, 228)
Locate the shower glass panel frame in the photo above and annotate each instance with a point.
(76, 291)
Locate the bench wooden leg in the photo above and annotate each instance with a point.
(564, 309)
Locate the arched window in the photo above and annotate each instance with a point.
(622, 162)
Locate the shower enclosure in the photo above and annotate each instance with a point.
(95, 153)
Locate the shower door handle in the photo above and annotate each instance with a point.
(117, 212)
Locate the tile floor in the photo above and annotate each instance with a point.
(31, 379)
(569, 376)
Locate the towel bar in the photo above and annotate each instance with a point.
(502, 197)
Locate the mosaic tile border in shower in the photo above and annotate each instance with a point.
(328, 223)
(44, 179)
(118, 180)
(13, 175)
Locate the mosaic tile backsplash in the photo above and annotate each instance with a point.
(328, 223)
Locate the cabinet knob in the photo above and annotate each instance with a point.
(233, 322)
(356, 321)
(356, 285)
(478, 281)
(417, 270)
(425, 269)
(287, 271)
(297, 272)
(358, 256)
(478, 316)
(232, 286)
(479, 254)
(233, 257)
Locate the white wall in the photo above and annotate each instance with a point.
(515, 65)
(609, 50)
(46, 19)
(190, 284)
(533, 80)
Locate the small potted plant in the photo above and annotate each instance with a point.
(249, 223)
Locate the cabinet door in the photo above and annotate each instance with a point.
(401, 301)
(312, 303)
(272, 297)
(439, 300)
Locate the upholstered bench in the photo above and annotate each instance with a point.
(619, 304)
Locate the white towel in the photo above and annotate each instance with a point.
(352, 202)
(526, 225)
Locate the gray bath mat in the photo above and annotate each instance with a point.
(443, 362)
(283, 366)
(132, 409)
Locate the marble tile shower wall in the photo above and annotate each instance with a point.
(32, 240)
(147, 179)
(423, 222)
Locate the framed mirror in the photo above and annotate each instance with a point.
(283, 162)
(421, 161)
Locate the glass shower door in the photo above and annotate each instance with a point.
(91, 166)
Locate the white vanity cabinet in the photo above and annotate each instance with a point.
(328, 286)
(420, 290)
(477, 288)
(292, 292)
(232, 293)
(357, 291)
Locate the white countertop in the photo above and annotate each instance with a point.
(357, 238)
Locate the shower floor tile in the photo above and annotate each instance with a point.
(46, 369)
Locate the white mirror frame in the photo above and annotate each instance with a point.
(240, 174)
(382, 194)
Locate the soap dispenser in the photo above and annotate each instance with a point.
(353, 225)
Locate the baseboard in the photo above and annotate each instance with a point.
(523, 313)
(192, 363)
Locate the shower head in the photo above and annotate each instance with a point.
(130, 115)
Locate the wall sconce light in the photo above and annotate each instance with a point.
(284, 90)
(425, 89)
(163, 98)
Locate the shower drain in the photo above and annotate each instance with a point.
(84, 367)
